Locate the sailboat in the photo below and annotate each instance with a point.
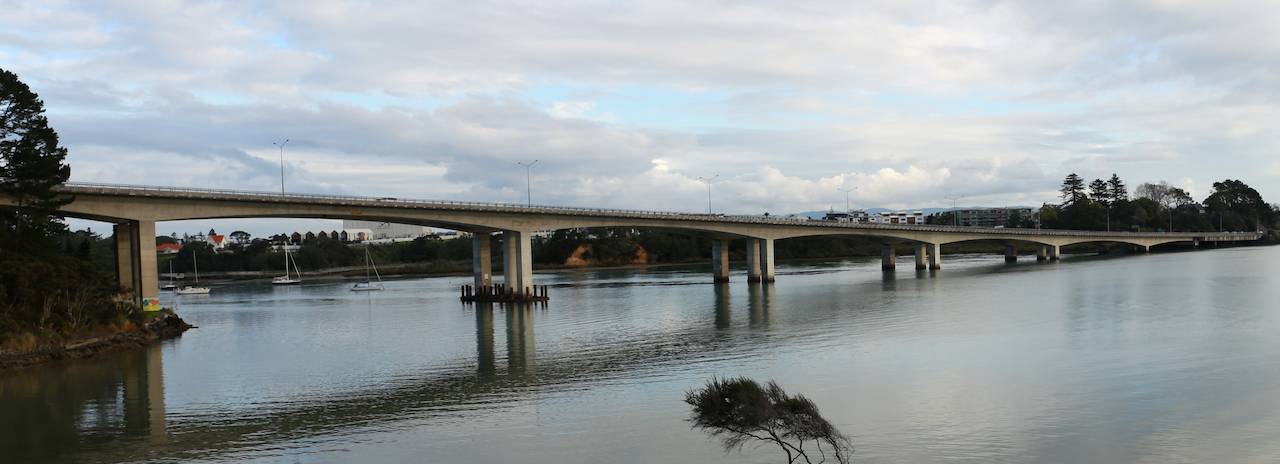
(193, 290)
(170, 285)
(287, 279)
(368, 284)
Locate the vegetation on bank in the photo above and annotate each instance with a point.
(45, 294)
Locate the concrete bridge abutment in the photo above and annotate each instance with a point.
(482, 260)
(888, 260)
(136, 259)
(719, 260)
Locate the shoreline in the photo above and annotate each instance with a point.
(157, 329)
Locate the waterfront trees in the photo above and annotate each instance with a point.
(31, 164)
(739, 411)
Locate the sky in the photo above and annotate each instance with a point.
(631, 104)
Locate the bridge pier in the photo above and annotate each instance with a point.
(517, 261)
(719, 260)
(888, 261)
(921, 258)
(1010, 254)
(935, 255)
(1042, 252)
(482, 260)
(1055, 252)
(136, 259)
(759, 260)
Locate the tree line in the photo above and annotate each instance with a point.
(1157, 206)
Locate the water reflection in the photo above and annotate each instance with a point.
(721, 295)
(760, 301)
(102, 403)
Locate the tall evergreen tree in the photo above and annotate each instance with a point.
(31, 162)
(1072, 189)
(1099, 192)
(1119, 192)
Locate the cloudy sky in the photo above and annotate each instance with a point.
(628, 104)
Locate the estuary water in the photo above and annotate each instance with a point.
(1161, 358)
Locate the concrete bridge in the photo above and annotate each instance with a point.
(135, 210)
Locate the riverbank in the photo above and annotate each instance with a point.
(159, 328)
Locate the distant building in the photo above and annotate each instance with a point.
(856, 215)
(900, 217)
(989, 217)
(341, 235)
(218, 242)
(382, 230)
(168, 249)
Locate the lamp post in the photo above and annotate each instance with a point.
(281, 145)
(528, 188)
(955, 216)
(846, 198)
(708, 181)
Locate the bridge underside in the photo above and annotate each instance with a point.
(135, 216)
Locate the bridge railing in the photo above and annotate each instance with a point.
(204, 193)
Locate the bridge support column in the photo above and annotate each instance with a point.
(482, 260)
(720, 260)
(1055, 252)
(921, 258)
(935, 255)
(1042, 252)
(888, 261)
(753, 260)
(517, 261)
(1010, 254)
(766, 260)
(1144, 249)
(136, 259)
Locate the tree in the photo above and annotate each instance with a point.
(1233, 196)
(1100, 192)
(31, 162)
(240, 237)
(1117, 189)
(1160, 192)
(741, 411)
(1072, 189)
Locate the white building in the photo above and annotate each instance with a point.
(383, 230)
(900, 217)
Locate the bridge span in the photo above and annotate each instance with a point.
(135, 210)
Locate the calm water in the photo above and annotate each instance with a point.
(1163, 358)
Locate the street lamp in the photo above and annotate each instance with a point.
(708, 181)
(281, 145)
(955, 216)
(527, 185)
(846, 198)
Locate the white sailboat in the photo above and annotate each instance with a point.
(288, 279)
(368, 284)
(197, 289)
(170, 285)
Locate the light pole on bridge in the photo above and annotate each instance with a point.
(708, 181)
(955, 217)
(527, 185)
(281, 145)
(846, 198)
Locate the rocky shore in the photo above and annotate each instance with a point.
(159, 328)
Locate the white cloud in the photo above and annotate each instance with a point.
(628, 104)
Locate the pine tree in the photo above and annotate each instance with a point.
(31, 162)
(1118, 190)
(1099, 192)
(1072, 189)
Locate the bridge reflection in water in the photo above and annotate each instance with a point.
(112, 408)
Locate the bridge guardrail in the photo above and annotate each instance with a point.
(185, 192)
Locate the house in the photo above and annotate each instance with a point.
(218, 242)
(168, 249)
(901, 217)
